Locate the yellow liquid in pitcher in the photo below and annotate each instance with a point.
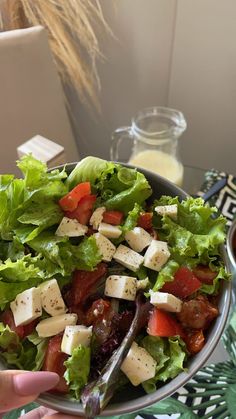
(161, 163)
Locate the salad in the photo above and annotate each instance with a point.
(82, 254)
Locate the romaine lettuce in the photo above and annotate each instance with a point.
(77, 370)
(169, 353)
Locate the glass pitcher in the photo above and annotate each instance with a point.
(154, 133)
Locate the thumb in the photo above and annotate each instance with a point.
(18, 388)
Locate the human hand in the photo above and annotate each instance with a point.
(18, 388)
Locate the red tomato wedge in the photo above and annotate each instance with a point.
(184, 284)
(204, 274)
(22, 331)
(113, 217)
(145, 220)
(84, 209)
(83, 281)
(70, 201)
(53, 362)
(163, 324)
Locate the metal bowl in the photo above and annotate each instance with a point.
(135, 399)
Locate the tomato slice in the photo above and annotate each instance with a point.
(70, 201)
(184, 284)
(84, 209)
(54, 362)
(145, 220)
(113, 217)
(83, 282)
(163, 324)
(204, 274)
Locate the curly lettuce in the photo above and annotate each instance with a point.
(119, 187)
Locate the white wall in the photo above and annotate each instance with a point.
(203, 81)
(180, 53)
(135, 72)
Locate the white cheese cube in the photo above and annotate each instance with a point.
(138, 365)
(109, 231)
(121, 286)
(52, 301)
(170, 210)
(75, 336)
(105, 246)
(128, 257)
(156, 255)
(71, 228)
(166, 301)
(54, 325)
(138, 239)
(26, 307)
(97, 217)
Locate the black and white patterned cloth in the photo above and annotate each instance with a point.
(225, 200)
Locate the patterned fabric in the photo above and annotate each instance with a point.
(211, 394)
(225, 201)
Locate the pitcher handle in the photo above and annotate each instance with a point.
(117, 137)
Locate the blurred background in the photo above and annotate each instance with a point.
(175, 53)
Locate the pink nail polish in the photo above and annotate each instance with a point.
(30, 383)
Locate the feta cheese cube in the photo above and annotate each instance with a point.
(109, 231)
(170, 210)
(128, 257)
(51, 298)
(138, 365)
(156, 255)
(54, 325)
(26, 307)
(71, 228)
(138, 239)
(105, 247)
(75, 336)
(97, 217)
(119, 286)
(166, 301)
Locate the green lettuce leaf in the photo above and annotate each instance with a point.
(195, 238)
(11, 206)
(15, 353)
(170, 355)
(20, 270)
(41, 345)
(118, 186)
(166, 274)
(13, 250)
(65, 256)
(77, 370)
(32, 200)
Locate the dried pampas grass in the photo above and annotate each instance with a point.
(71, 28)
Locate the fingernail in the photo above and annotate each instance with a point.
(29, 383)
